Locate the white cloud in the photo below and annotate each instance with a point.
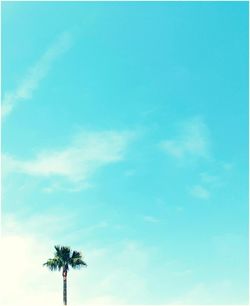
(27, 282)
(35, 74)
(116, 275)
(50, 223)
(199, 191)
(125, 272)
(77, 162)
(192, 141)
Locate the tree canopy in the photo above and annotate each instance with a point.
(65, 258)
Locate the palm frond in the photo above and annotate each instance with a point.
(63, 252)
(76, 261)
(76, 254)
(53, 264)
(65, 258)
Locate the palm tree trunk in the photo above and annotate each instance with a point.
(65, 290)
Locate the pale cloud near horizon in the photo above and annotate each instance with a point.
(35, 74)
(115, 282)
(117, 274)
(26, 272)
(47, 286)
(192, 140)
(104, 276)
(75, 163)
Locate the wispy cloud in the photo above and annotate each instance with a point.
(51, 223)
(192, 140)
(200, 192)
(151, 219)
(35, 74)
(77, 162)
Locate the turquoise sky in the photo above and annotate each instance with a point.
(125, 135)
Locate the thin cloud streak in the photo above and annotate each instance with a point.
(35, 74)
(77, 162)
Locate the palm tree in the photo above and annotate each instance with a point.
(65, 258)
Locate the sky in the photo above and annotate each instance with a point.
(125, 136)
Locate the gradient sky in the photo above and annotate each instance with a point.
(125, 136)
